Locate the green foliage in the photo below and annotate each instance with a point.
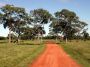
(14, 18)
(28, 33)
(85, 35)
(11, 16)
(40, 16)
(2, 38)
(67, 23)
(49, 37)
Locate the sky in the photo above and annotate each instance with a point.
(80, 7)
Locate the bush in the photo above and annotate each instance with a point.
(49, 37)
(2, 38)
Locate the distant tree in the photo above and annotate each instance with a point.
(2, 38)
(31, 33)
(28, 33)
(85, 35)
(40, 30)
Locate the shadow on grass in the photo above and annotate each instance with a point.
(3, 42)
(28, 44)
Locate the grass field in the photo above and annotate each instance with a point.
(80, 51)
(23, 54)
(19, 55)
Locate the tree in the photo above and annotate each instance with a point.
(40, 17)
(21, 25)
(28, 33)
(85, 35)
(67, 23)
(55, 28)
(13, 18)
(31, 33)
(40, 30)
(2, 38)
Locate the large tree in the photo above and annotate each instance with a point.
(13, 18)
(67, 23)
(40, 17)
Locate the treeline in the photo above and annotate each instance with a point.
(3, 38)
(62, 38)
(23, 25)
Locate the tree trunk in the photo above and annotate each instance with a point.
(66, 39)
(42, 33)
(9, 36)
(38, 37)
(41, 38)
(18, 38)
(56, 37)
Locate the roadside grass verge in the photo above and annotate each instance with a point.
(13, 55)
(30, 42)
(80, 51)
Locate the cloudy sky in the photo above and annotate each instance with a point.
(80, 7)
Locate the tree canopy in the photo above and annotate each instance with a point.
(67, 23)
(64, 22)
(13, 18)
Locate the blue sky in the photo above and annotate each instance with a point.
(80, 7)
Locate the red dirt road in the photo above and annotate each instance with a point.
(54, 56)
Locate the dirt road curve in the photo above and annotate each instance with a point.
(54, 56)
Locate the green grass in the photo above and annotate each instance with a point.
(18, 55)
(80, 51)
